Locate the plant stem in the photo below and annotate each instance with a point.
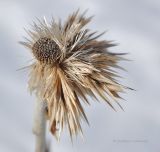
(39, 126)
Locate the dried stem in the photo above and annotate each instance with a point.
(39, 126)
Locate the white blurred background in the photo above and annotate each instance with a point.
(135, 25)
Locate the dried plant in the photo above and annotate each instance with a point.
(70, 65)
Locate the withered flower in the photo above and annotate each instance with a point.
(70, 65)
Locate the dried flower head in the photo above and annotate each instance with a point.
(70, 65)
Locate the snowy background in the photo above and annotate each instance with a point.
(135, 25)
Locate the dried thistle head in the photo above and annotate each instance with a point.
(70, 64)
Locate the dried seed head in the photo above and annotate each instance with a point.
(82, 66)
(45, 50)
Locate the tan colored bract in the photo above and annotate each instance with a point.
(70, 65)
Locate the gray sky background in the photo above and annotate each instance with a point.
(135, 25)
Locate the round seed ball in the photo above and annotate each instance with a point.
(45, 50)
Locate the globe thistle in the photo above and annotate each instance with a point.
(70, 65)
